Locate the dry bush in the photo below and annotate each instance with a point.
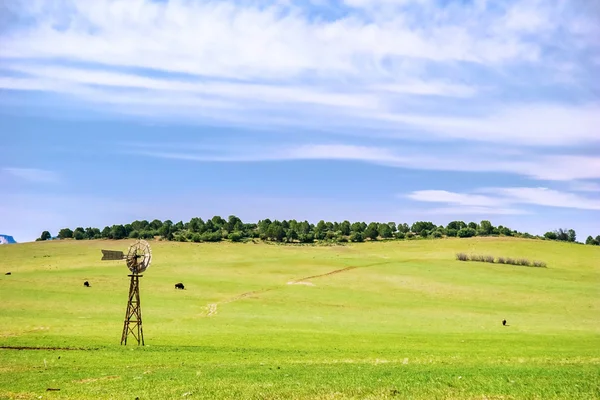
(476, 257)
(539, 264)
(511, 261)
(523, 261)
(501, 260)
(489, 259)
(462, 257)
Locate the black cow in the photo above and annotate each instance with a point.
(8, 273)
(504, 322)
(179, 286)
(86, 284)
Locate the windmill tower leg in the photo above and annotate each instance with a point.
(133, 315)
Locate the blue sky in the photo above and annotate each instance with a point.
(390, 110)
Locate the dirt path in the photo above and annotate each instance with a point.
(211, 309)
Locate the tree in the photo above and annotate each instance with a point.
(106, 233)
(357, 227)
(156, 224)
(385, 231)
(456, 225)
(79, 234)
(486, 227)
(372, 232)
(466, 232)
(392, 226)
(117, 232)
(357, 237)
(473, 225)
(421, 226)
(550, 235)
(65, 233)
(571, 236)
(403, 228)
(45, 236)
(345, 228)
(591, 240)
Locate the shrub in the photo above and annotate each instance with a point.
(476, 257)
(489, 259)
(539, 264)
(235, 236)
(196, 238)
(462, 257)
(437, 234)
(400, 235)
(524, 262)
(511, 261)
(466, 232)
(501, 260)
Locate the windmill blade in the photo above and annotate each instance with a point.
(112, 255)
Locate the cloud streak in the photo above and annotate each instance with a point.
(31, 174)
(488, 199)
(542, 167)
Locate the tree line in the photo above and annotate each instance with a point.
(291, 231)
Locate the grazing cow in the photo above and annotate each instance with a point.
(179, 285)
(504, 322)
(86, 284)
(8, 273)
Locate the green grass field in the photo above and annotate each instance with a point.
(409, 322)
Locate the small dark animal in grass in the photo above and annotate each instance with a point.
(8, 273)
(179, 285)
(504, 322)
(86, 284)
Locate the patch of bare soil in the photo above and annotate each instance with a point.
(42, 348)
(300, 283)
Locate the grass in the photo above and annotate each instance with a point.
(402, 320)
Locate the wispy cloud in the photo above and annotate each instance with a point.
(491, 198)
(31, 174)
(542, 167)
(348, 65)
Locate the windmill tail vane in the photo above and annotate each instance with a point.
(112, 255)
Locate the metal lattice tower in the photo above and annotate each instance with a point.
(138, 259)
(133, 315)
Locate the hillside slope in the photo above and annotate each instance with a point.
(318, 306)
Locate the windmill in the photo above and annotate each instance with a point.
(137, 259)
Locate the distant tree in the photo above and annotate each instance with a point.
(65, 233)
(345, 228)
(486, 227)
(385, 231)
(392, 226)
(400, 235)
(466, 232)
(550, 235)
(78, 234)
(235, 237)
(421, 226)
(590, 240)
(456, 225)
(45, 236)
(436, 234)
(473, 225)
(276, 232)
(403, 227)
(357, 237)
(357, 227)
(571, 236)
(291, 235)
(156, 224)
(134, 234)
(450, 232)
(562, 235)
(106, 233)
(116, 231)
(372, 231)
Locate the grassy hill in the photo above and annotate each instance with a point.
(399, 319)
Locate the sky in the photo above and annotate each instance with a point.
(389, 110)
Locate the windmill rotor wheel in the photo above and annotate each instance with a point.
(139, 257)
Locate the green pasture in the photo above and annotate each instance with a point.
(403, 320)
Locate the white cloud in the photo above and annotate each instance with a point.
(551, 168)
(504, 198)
(32, 174)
